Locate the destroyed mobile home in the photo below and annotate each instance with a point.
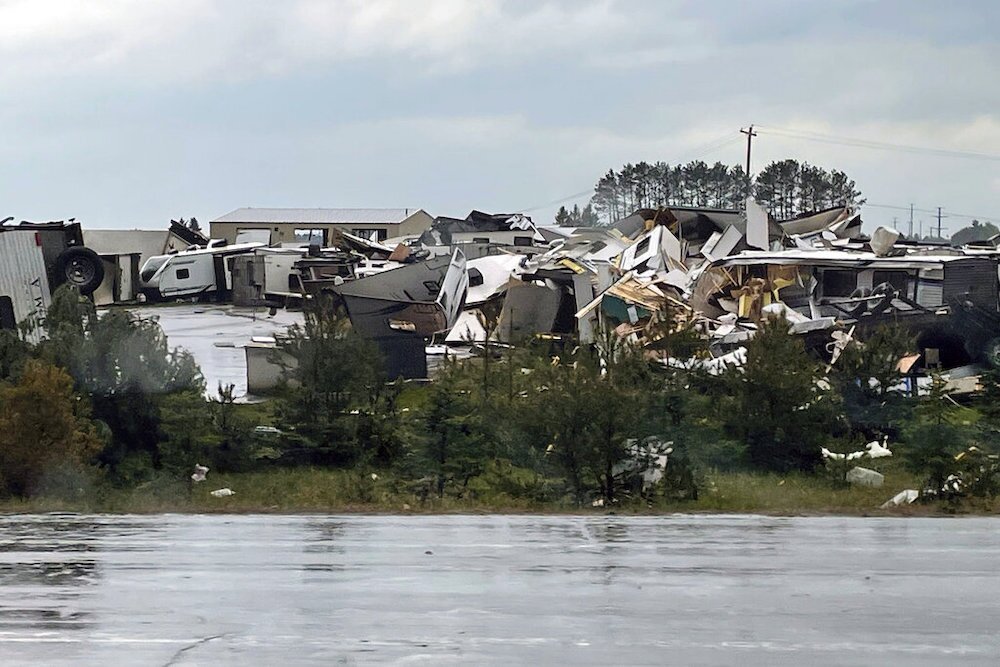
(500, 277)
(715, 276)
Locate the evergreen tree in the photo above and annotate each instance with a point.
(334, 372)
(937, 435)
(777, 406)
(562, 217)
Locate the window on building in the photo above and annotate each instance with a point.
(522, 240)
(480, 239)
(311, 236)
(183, 274)
(475, 277)
(375, 235)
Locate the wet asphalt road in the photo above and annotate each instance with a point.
(284, 590)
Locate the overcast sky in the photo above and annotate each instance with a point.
(126, 113)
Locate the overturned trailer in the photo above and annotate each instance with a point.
(24, 283)
(402, 308)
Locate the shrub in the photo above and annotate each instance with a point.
(41, 428)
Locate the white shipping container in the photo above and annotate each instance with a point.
(23, 280)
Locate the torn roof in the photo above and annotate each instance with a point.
(477, 222)
(692, 223)
(843, 221)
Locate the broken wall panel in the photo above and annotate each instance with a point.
(529, 309)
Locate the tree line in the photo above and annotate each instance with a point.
(786, 188)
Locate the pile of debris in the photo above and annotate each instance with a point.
(715, 273)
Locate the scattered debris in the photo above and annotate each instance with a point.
(199, 473)
(865, 477)
(905, 497)
(876, 450)
(222, 493)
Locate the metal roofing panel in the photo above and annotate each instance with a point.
(381, 216)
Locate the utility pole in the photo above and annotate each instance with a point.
(895, 223)
(910, 235)
(750, 135)
(939, 216)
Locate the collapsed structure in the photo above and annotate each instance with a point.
(716, 273)
(455, 283)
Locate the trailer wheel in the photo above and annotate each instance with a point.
(80, 267)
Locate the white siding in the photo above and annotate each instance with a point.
(22, 275)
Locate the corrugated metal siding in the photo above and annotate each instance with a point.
(974, 279)
(22, 274)
(929, 293)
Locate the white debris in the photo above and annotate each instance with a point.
(199, 473)
(865, 477)
(952, 484)
(877, 451)
(834, 456)
(904, 497)
(222, 493)
(598, 503)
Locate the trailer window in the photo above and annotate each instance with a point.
(895, 278)
(183, 274)
(151, 266)
(839, 283)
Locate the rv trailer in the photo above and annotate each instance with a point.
(194, 272)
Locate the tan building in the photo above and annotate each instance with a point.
(302, 225)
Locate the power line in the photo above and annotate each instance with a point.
(875, 145)
(699, 152)
(985, 218)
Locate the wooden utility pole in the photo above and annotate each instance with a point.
(750, 135)
(939, 216)
(910, 235)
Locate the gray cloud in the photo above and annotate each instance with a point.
(126, 113)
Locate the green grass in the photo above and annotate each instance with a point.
(305, 490)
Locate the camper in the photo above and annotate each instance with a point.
(401, 309)
(197, 271)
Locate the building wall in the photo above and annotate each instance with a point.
(416, 224)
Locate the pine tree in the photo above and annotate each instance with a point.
(562, 217)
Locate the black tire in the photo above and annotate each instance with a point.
(80, 267)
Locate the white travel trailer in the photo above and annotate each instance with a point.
(24, 283)
(193, 272)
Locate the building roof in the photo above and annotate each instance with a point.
(323, 216)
